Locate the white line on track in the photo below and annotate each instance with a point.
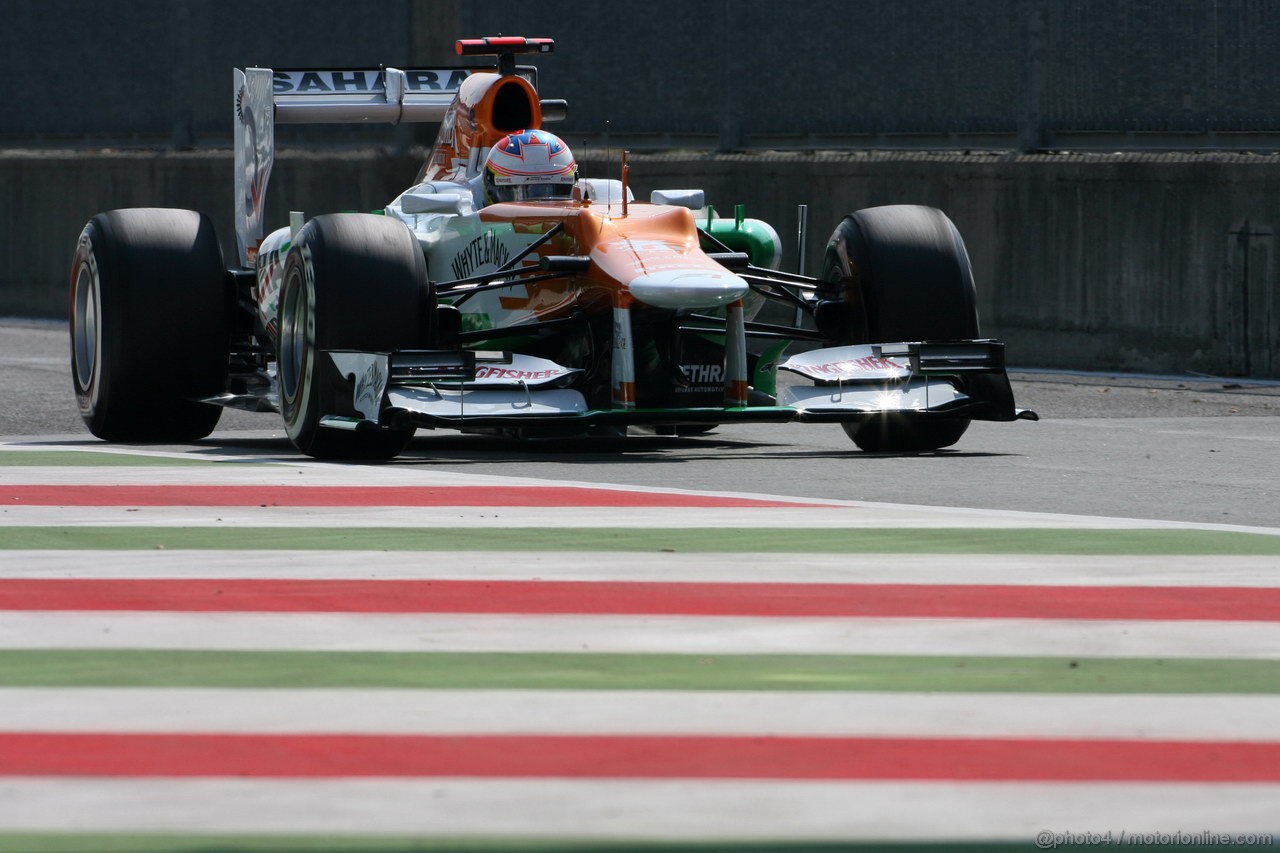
(248, 471)
(634, 809)
(862, 516)
(320, 476)
(662, 712)
(1012, 569)
(638, 634)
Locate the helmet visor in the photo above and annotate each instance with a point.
(530, 192)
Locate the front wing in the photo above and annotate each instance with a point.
(458, 390)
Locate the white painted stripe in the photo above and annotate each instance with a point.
(639, 634)
(276, 471)
(265, 472)
(627, 809)
(1012, 569)
(742, 712)
(860, 517)
(250, 471)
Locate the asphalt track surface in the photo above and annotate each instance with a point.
(1190, 448)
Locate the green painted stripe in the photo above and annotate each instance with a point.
(1082, 542)
(90, 458)
(149, 843)
(561, 671)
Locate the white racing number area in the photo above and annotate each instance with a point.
(256, 652)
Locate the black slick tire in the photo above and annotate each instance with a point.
(900, 273)
(150, 314)
(351, 281)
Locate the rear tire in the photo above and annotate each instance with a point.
(899, 273)
(150, 316)
(351, 281)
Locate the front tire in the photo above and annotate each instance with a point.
(899, 273)
(150, 316)
(351, 281)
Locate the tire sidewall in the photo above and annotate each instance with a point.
(86, 286)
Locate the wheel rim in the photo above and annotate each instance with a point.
(293, 339)
(84, 331)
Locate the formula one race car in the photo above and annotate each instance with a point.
(504, 293)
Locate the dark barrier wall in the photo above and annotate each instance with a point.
(735, 71)
(1124, 262)
(1160, 262)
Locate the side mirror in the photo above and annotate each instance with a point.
(554, 109)
(600, 191)
(692, 199)
(455, 203)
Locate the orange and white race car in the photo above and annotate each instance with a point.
(505, 292)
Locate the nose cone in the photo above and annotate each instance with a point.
(692, 288)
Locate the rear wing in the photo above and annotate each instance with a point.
(266, 97)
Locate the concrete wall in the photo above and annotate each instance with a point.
(1149, 262)
(1133, 262)
(48, 196)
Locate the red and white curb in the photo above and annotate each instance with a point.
(719, 765)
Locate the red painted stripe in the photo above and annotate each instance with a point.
(636, 756)
(648, 598)
(411, 496)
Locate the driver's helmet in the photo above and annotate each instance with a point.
(529, 164)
